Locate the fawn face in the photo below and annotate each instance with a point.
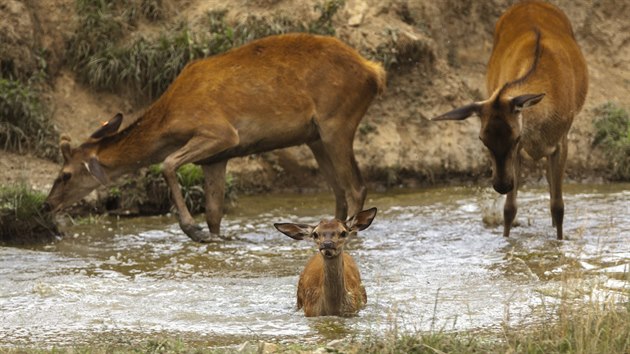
(329, 235)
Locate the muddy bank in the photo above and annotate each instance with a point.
(435, 53)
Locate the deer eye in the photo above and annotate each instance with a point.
(314, 235)
(343, 234)
(65, 177)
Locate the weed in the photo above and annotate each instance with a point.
(21, 219)
(147, 66)
(613, 135)
(402, 51)
(24, 123)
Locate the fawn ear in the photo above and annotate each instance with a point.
(362, 220)
(295, 231)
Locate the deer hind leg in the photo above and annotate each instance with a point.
(214, 187)
(510, 208)
(555, 172)
(338, 144)
(197, 148)
(326, 167)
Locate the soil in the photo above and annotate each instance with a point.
(396, 143)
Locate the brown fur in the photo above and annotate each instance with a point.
(330, 284)
(536, 66)
(272, 93)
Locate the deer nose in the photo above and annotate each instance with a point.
(327, 245)
(46, 207)
(503, 188)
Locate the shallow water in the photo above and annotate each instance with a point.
(428, 261)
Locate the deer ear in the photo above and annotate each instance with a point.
(524, 101)
(295, 231)
(96, 169)
(109, 128)
(64, 146)
(461, 112)
(362, 220)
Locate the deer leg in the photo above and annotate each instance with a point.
(197, 148)
(339, 150)
(214, 187)
(510, 207)
(555, 172)
(325, 166)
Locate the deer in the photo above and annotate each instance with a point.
(330, 284)
(271, 93)
(537, 81)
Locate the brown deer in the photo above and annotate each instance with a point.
(534, 56)
(272, 93)
(330, 284)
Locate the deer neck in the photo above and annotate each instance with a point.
(334, 285)
(131, 148)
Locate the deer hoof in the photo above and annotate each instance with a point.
(196, 233)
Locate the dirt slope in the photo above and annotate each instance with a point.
(396, 143)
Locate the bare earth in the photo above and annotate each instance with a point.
(402, 146)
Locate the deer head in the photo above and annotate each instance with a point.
(329, 235)
(82, 171)
(501, 128)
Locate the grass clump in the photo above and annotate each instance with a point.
(21, 218)
(24, 120)
(613, 135)
(105, 59)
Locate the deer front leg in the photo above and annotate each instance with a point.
(510, 207)
(214, 187)
(197, 148)
(555, 172)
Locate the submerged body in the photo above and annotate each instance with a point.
(272, 93)
(320, 293)
(537, 82)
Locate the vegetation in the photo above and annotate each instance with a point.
(149, 194)
(146, 66)
(574, 326)
(21, 218)
(613, 135)
(24, 122)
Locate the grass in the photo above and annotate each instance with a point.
(612, 127)
(24, 122)
(593, 326)
(145, 66)
(149, 194)
(21, 219)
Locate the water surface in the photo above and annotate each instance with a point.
(428, 261)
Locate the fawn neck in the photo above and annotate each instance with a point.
(334, 285)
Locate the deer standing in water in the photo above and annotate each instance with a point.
(330, 284)
(272, 93)
(537, 81)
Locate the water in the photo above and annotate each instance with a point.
(428, 261)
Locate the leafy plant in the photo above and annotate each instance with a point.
(613, 135)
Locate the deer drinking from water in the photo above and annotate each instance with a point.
(272, 93)
(330, 284)
(537, 81)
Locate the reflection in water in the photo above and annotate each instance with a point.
(430, 260)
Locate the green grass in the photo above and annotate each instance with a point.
(594, 326)
(612, 126)
(24, 122)
(21, 219)
(104, 59)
